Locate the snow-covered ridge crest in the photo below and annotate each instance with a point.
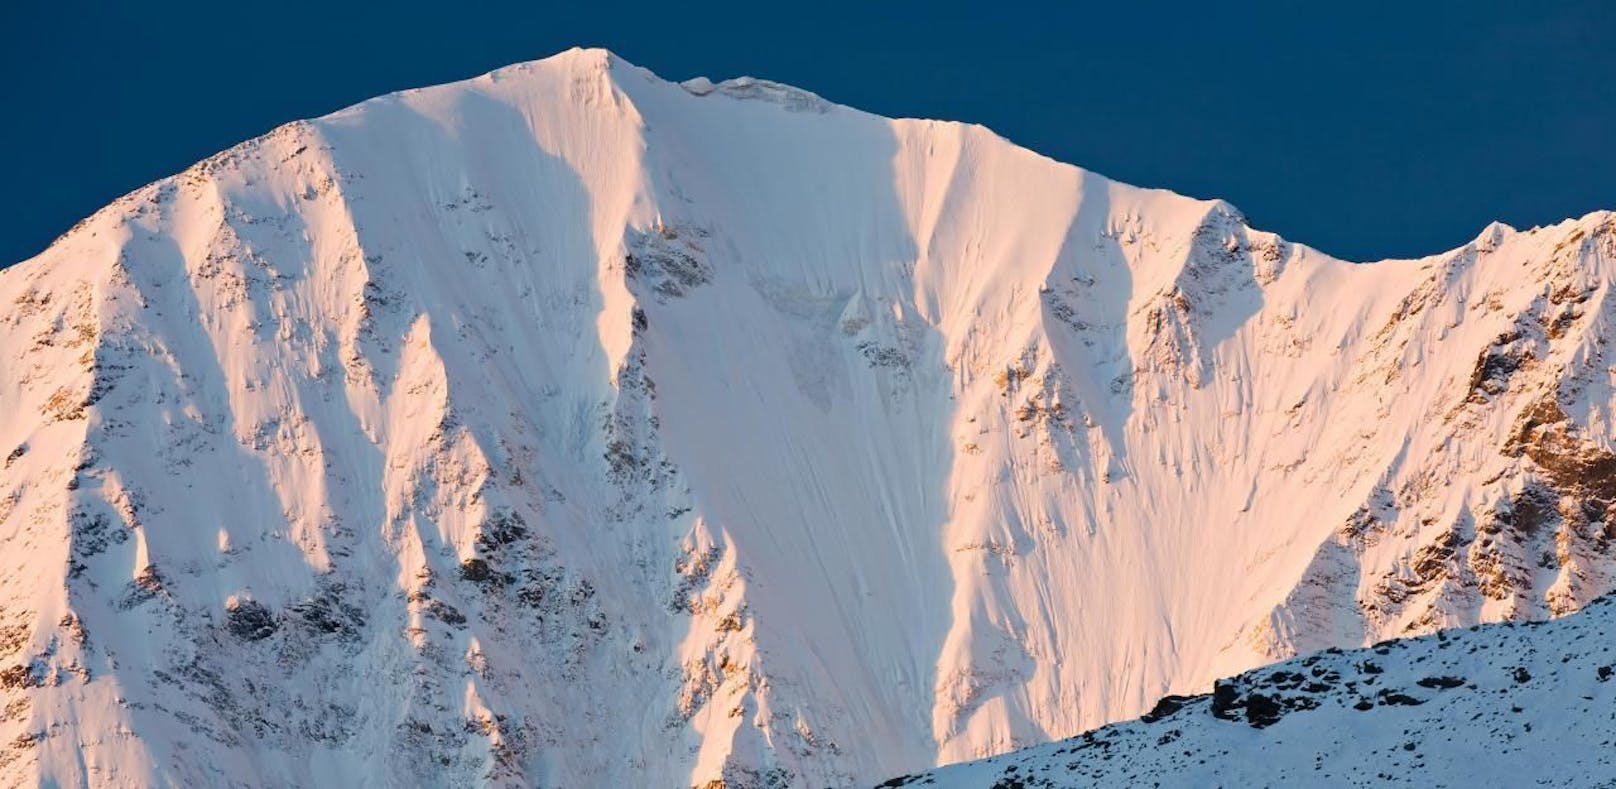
(1492, 705)
(794, 99)
(642, 437)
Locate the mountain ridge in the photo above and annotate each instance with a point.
(701, 86)
(563, 379)
(1451, 709)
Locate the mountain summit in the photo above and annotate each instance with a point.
(570, 427)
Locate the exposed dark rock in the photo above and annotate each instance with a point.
(1224, 700)
(249, 620)
(28, 675)
(475, 570)
(1443, 683)
(146, 586)
(1431, 561)
(1262, 710)
(669, 260)
(328, 614)
(1393, 697)
(1286, 680)
(1495, 366)
(501, 529)
(1165, 707)
(1573, 464)
(443, 612)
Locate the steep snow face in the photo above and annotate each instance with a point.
(1496, 705)
(566, 426)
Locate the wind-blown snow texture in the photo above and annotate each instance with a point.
(1499, 705)
(566, 426)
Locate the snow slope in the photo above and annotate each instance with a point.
(1495, 705)
(566, 426)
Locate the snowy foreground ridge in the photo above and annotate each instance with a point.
(570, 427)
(1497, 705)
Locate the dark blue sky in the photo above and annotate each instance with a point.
(1369, 131)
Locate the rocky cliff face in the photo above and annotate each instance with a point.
(565, 426)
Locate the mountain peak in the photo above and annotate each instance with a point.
(808, 447)
(585, 58)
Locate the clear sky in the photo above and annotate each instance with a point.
(1371, 130)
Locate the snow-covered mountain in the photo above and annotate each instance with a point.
(1496, 705)
(570, 427)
